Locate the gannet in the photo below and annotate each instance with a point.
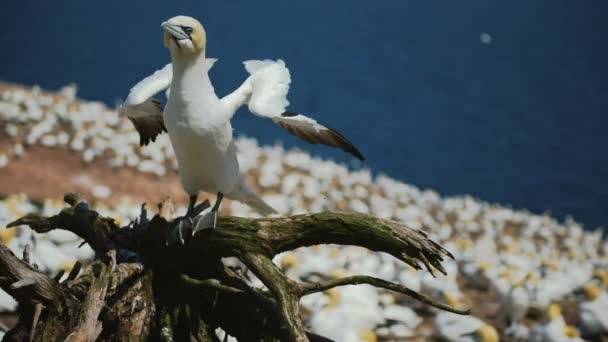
(556, 329)
(452, 327)
(198, 121)
(514, 306)
(348, 313)
(594, 312)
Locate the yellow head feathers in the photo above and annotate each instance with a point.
(554, 311)
(453, 299)
(184, 35)
(602, 276)
(592, 292)
(289, 261)
(487, 333)
(334, 297)
(485, 265)
(571, 331)
(368, 336)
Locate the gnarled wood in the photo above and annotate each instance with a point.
(152, 291)
(25, 283)
(89, 327)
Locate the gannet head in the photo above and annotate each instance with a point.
(368, 335)
(554, 311)
(184, 35)
(289, 261)
(335, 297)
(592, 292)
(453, 299)
(571, 331)
(487, 333)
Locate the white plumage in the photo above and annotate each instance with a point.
(149, 86)
(198, 122)
(594, 312)
(270, 83)
(456, 328)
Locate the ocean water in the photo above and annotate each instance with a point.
(504, 100)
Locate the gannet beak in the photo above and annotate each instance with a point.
(175, 31)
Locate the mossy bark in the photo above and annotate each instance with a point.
(140, 289)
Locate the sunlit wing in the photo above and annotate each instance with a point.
(267, 89)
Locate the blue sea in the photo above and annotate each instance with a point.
(504, 100)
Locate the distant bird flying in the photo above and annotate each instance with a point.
(198, 122)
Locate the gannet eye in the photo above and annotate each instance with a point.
(187, 30)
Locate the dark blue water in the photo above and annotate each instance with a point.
(520, 121)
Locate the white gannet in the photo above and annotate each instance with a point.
(514, 306)
(594, 312)
(556, 329)
(458, 328)
(198, 122)
(350, 313)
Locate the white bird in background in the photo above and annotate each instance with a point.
(594, 312)
(556, 329)
(456, 328)
(514, 307)
(198, 122)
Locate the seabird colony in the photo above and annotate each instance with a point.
(198, 122)
(511, 260)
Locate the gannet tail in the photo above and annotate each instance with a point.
(254, 201)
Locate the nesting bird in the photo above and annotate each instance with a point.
(594, 312)
(514, 306)
(556, 329)
(457, 328)
(198, 121)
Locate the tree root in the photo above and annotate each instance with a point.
(138, 288)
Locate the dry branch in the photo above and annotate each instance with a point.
(309, 288)
(88, 327)
(283, 292)
(25, 283)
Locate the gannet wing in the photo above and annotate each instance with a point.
(144, 111)
(267, 88)
(315, 133)
(147, 118)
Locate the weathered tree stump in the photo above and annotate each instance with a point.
(140, 289)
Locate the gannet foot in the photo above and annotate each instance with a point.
(206, 221)
(179, 229)
(197, 209)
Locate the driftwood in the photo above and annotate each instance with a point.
(140, 289)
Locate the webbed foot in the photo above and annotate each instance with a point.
(206, 221)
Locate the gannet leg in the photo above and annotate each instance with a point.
(209, 220)
(183, 225)
(218, 201)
